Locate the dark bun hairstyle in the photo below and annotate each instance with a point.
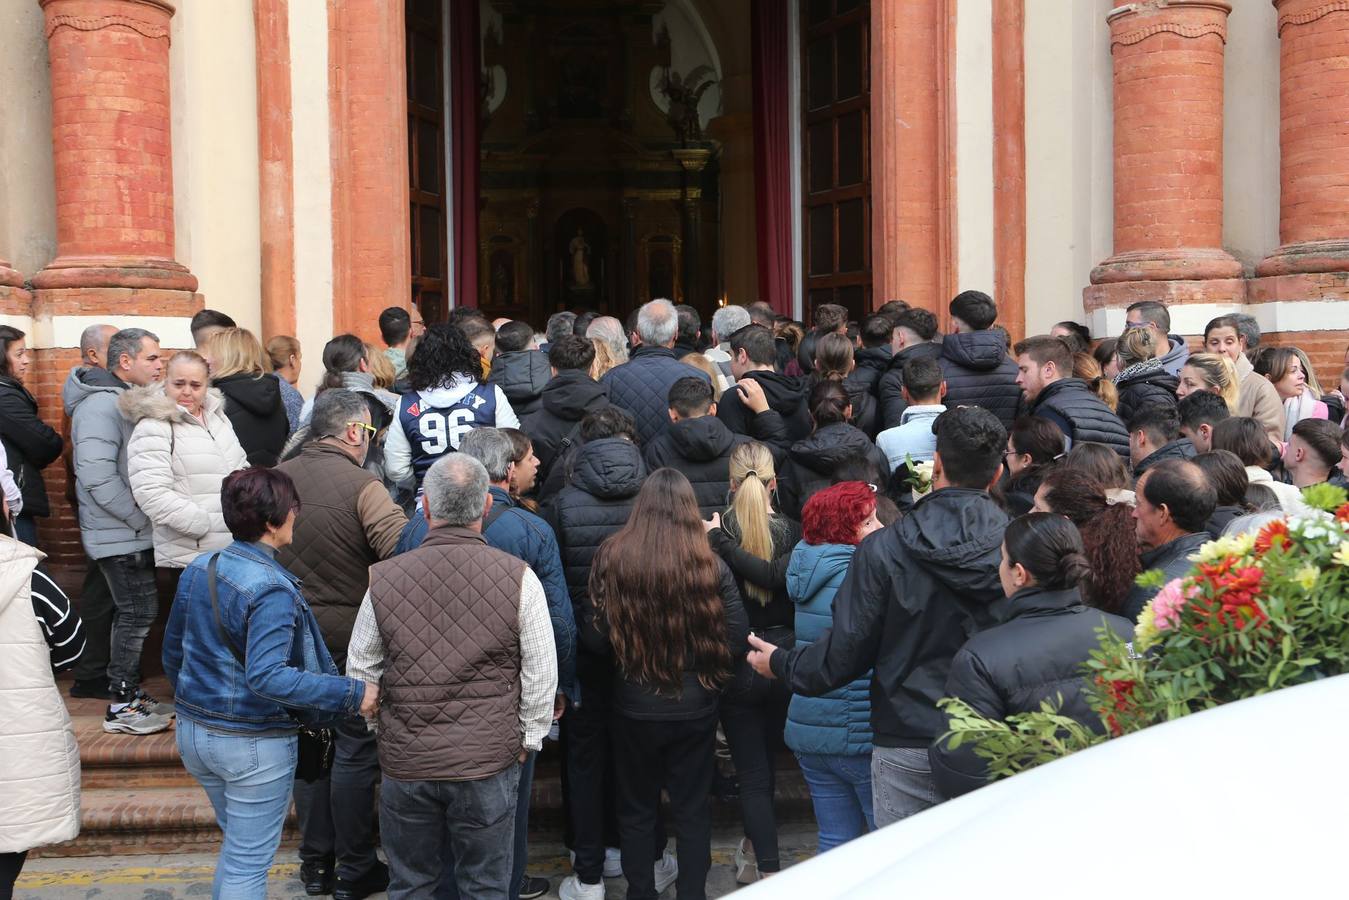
(1050, 548)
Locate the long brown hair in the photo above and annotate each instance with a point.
(657, 585)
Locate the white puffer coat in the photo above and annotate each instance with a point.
(175, 465)
(39, 759)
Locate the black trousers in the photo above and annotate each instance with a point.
(678, 756)
(587, 782)
(95, 606)
(10, 866)
(754, 721)
(337, 814)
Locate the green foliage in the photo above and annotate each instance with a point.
(1019, 742)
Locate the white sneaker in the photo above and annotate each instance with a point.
(613, 862)
(667, 870)
(572, 888)
(746, 867)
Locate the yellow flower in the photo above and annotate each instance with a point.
(1342, 555)
(1145, 632)
(1233, 546)
(1306, 577)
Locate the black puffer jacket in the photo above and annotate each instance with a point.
(779, 611)
(865, 410)
(1181, 448)
(1079, 414)
(979, 372)
(1143, 386)
(701, 449)
(1037, 654)
(642, 387)
(915, 593)
(890, 388)
(871, 365)
(522, 375)
(253, 406)
(786, 395)
(563, 403)
(812, 461)
(30, 444)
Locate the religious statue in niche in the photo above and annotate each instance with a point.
(503, 278)
(580, 259)
(684, 94)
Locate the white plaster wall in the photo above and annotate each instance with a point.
(313, 184)
(27, 179)
(214, 99)
(1069, 159)
(974, 146)
(1251, 133)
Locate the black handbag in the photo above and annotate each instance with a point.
(315, 746)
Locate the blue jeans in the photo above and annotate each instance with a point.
(426, 823)
(248, 780)
(449, 888)
(840, 789)
(901, 783)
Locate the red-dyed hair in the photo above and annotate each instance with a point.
(833, 515)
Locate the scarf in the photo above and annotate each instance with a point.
(1303, 406)
(1139, 369)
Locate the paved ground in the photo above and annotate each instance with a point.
(171, 877)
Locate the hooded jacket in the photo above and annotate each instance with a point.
(39, 761)
(1143, 385)
(914, 594)
(563, 403)
(812, 461)
(30, 444)
(1181, 448)
(865, 411)
(979, 372)
(839, 722)
(522, 375)
(1079, 414)
(642, 387)
(455, 412)
(176, 464)
(111, 524)
(1258, 399)
(254, 407)
(701, 449)
(1173, 558)
(786, 395)
(890, 388)
(1173, 360)
(872, 363)
(1036, 654)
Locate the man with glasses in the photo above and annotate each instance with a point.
(1152, 315)
(347, 523)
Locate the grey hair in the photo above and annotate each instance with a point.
(1248, 328)
(333, 409)
(92, 339)
(492, 447)
(727, 320)
(127, 341)
(609, 330)
(657, 322)
(456, 489)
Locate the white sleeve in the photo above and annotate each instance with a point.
(397, 453)
(506, 417)
(10, 488)
(538, 663)
(365, 653)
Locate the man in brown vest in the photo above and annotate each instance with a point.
(348, 522)
(457, 635)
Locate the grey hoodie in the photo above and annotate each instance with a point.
(1173, 360)
(111, 524)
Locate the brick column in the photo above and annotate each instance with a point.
(1168, 111)
(1313, 139)
(14, 300)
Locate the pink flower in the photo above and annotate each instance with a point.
(1169, 602)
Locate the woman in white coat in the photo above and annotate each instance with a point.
(181, 449)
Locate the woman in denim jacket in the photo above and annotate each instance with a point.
(237, 725)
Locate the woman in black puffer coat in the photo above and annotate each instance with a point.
(1142, 381)
(813, 460)
(30, 443)
(253, 401)
(835, 361)
(1037, 653)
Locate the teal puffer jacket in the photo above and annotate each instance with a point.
(839, 722)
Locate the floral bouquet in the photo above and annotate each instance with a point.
(919, 478)
(1256, 613)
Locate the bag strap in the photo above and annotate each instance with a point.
(496, 512)
(570, 439)
(215, 609)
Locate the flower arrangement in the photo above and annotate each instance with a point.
(919, 479)
(1256, 613)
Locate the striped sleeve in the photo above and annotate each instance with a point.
(61, 625)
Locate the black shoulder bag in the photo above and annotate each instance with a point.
(314, 751)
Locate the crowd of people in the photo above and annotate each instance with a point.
(677, 546)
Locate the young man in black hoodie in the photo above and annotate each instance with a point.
(564, 401)
(753, 355)
(519, 368)
(914, 338)
(974, 359)
(697, 443)
(911, 598)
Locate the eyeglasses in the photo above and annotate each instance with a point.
(364, 425)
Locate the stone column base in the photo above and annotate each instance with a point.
(1186, 264)
(1121, 294)
(1309, 256)
(115, 272)
(60, 315)
(1304, 286)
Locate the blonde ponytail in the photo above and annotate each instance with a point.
(751, 472)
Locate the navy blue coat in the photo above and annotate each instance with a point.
(642, 387)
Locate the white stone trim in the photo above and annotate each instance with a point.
(63, 332)
(23, 323)
(1277, 315)
(974, 146)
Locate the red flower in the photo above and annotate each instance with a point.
(1275, 534)
(1119, 693)
(1342, 514)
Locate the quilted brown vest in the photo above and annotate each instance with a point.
(449, 615)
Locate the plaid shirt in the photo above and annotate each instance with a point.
(538, 658)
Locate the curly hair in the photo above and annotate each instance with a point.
(1107, 534)
(664, 611)
(832, 515)
(443, 352)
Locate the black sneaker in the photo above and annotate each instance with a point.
(317, 878)
(532, 887)
(91, 689)
(155, 707)
(372, 882)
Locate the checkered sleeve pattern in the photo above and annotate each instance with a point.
(538, 662)
(365, 653)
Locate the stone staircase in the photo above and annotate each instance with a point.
(138, 799)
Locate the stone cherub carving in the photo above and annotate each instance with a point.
(683, 95)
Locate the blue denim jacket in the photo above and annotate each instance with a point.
(289, 673)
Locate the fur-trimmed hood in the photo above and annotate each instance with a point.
(150, 402)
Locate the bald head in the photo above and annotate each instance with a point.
(94, 345)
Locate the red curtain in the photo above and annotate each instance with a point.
(465, 99)
(770, 46)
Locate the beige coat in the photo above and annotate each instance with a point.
(175, 465)
(39, 759)
(1257, 399)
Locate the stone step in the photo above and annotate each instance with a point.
(127, 761)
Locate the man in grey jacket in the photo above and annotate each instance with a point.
(115, 533)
